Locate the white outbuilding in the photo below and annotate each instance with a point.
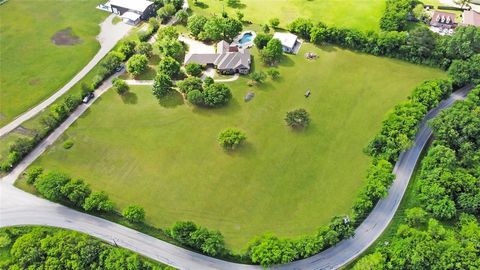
(289, 41)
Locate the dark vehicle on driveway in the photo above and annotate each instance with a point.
(120, 68)
(88, 97)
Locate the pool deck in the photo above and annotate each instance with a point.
(237, 39)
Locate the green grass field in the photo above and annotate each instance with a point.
(31, 66)
(165, 156)
(360, 14)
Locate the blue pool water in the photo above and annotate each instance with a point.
(246, 38)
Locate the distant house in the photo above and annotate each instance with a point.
(131, 11)
(471, 17)
(443, 20)
(227, 60)
(289, 41)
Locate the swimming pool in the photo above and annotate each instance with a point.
(246, 38)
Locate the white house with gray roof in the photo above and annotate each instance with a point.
(290, 43)
(227, 60)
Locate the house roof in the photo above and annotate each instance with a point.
(201, 58)
(135, 5)
(222, 46)
(233, 60)
(440, 18)
(132, 16)
(287, 39)
(471, 17)
(223, 59)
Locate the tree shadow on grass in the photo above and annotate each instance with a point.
(200, 4)
(148, 74)
(245, 150)
(130, 98)
(327, 48)
(171, 100)
(231, 108)
(154, 59)
(236, 4)
(286, 61)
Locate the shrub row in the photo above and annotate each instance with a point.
(23, 146)
(268, 250)
(59, 187)
(459, 52)
(399, 128)
(201, 239)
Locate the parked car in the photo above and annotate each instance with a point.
(120, 68)
(88, 97)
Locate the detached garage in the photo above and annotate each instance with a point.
(132, 11)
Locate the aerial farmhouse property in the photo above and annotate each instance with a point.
(131, 11)
(228, 59)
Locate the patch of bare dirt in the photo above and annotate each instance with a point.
(35, 81)
(65, 37)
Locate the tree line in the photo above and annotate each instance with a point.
(459, 53)
(48, 248)
(448, 192)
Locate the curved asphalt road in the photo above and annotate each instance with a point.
(20, 208)
(109, 35)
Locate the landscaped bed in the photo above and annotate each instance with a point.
(43, 45)
(166, 158)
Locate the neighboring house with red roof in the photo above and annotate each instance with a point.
(445, 20)
(471, 17)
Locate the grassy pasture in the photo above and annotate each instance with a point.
(32, 67)
(360, 14)
(165, 156)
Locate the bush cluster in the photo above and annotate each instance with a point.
(231, 138)
(168, 43)
(168, 8)
(268, 250)
(450, 173)
(206, 93)
(214, 28)
(47, 248)
(201, 239)
(396, 14)
(153, 26)
(59, 187)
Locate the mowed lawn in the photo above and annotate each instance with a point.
(166, 158)
(31, 66)
(360, 14)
